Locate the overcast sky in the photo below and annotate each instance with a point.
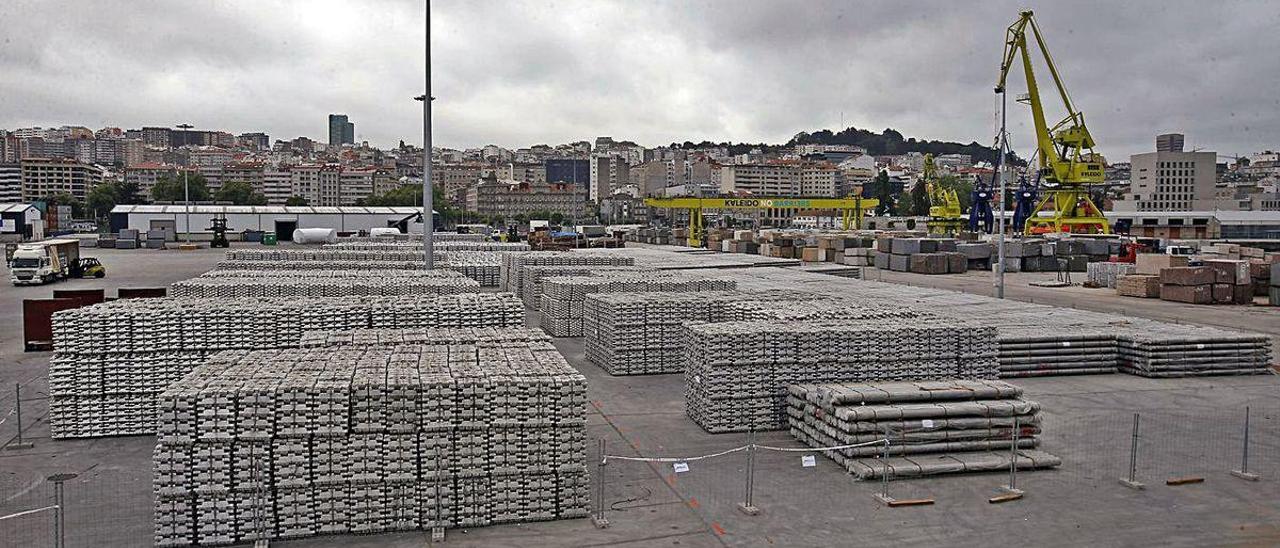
(522, 73)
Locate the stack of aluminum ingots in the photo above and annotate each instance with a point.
(269, 444)
(562, 299)
(1154, 349)
(1106, 274)
(533, 276)
(737, 373)
(111, 359)
(482, 266)
(340, 266)
(511, 277)
(438, 246)
(1033, 351)
(233, 272)
(640, 333)
(942, 427)
(315, 284)
(428, 335)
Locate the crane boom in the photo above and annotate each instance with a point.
(1064, 150)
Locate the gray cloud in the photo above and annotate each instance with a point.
(520, 73)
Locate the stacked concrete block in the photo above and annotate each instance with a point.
(640, 333)
(1187, 284)
(979, 255)
(271, 444)
(932, 428)
(737, 373)
(561, 308)
(1150, 264)
(1107, 274)
(1152, 349)
(1274, 289)
(919, 255)
(110, 360)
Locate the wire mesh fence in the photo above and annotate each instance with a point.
(1112, 454)
(70, 510)
(1125, 457)
(23, 408)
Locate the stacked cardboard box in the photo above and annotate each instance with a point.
(942, 427)
(737, 373)
(268, 444)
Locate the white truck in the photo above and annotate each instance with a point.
(43, 262)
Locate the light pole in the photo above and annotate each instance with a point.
(186, 186)
(428, 219)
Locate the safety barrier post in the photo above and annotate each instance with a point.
(748, 506)
(883, 495)
(1132, 481)
(59, 509)
(1243, 472)
(598, 517)
(1011, 491)
(18, 442)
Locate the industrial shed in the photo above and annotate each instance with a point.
(280, 219)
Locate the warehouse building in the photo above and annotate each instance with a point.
(1200, 225)
(283, 220)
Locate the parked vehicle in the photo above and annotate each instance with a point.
(44, 262)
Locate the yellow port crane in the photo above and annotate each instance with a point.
(1067, 162)
(944, 204)
(851, 209)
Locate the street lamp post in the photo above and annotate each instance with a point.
(186, 187)
(428, 218)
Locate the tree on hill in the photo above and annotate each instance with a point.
(240, 193)
(171, 188)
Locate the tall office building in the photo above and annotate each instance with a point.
(1169, 142)
(341, 130)
(1170, 179)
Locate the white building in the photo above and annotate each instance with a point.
(1170, 181)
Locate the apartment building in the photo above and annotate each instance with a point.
(510, 198)
(43, 177)
(10, 183)
(608, 172)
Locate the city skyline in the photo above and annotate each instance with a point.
(654, 73)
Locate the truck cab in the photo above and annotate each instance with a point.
(31, 265)
(43, 262)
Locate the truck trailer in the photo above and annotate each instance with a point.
(44, 262)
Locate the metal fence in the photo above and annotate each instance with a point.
(1111, 455)
(1118, 457)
